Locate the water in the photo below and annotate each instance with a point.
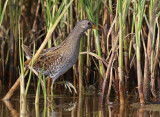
(67, 105)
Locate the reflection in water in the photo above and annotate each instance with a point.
(13, 112)
(64, 108)
(37, 110)
(80, 103)
(80, 106)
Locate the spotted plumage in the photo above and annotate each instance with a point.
(57, 60)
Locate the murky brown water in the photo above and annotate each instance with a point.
(64, 105)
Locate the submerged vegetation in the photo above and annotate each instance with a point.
(121, 55)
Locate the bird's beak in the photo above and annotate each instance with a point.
(94, 27)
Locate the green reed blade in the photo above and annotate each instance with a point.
(30, 73)
(3, 11)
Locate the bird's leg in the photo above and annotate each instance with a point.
(52, 77)
(53, 80)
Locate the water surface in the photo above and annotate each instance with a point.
(63, 104)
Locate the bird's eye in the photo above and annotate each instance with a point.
(89, 23)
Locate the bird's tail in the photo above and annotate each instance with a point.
(27, 51)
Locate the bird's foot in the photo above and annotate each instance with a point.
(69, 86)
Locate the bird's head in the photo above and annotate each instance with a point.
(86, 24)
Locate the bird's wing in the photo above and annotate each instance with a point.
(52, 58)
(29, 54)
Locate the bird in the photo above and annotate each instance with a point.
(57, 60)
